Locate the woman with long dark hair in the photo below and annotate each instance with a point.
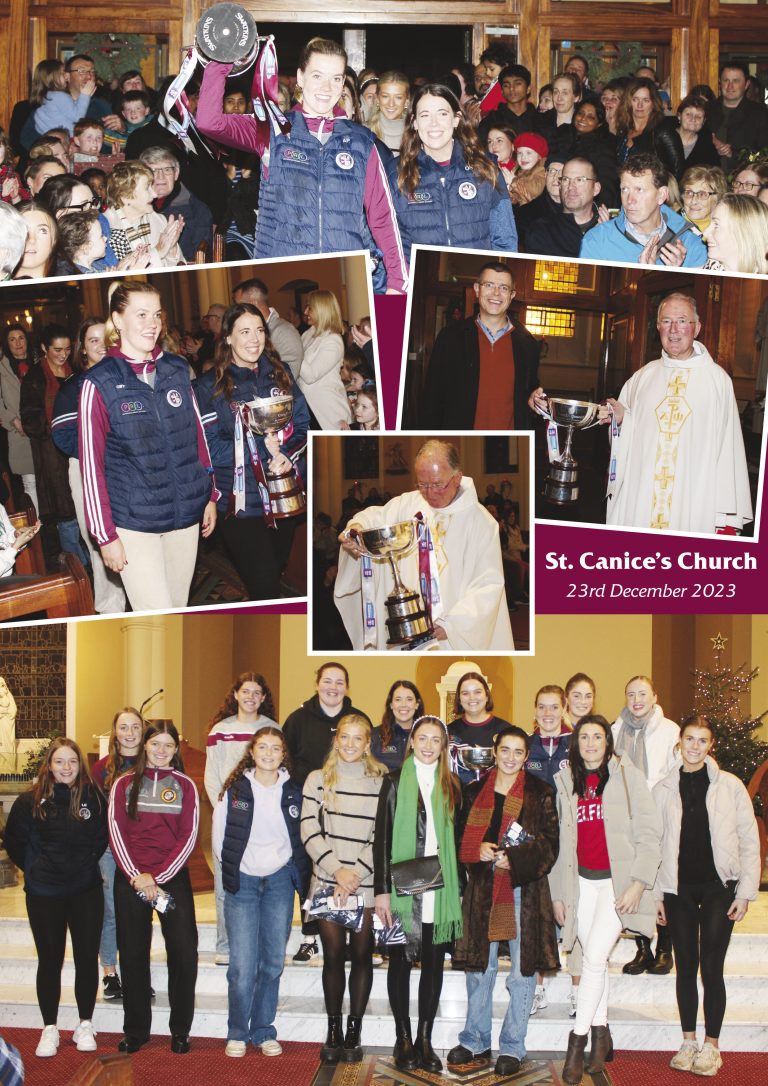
(338, 816)
(56, 833)
(602, 882)
(257, 844)
(710, 871)
(248, 368)
(446, 189)
(509, 842)
(417, 807)
(123, 751)
(15, 361)
(154, 814)
(402, 706)
(247, 708)
(643, 127)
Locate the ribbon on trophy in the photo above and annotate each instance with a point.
(553, 443)
(369, 603)
(429, 584)
(614, 439)
(243, 435)
(267, 117)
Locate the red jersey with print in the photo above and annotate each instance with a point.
(591, 847)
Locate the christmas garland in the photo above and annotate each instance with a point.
(112, 54)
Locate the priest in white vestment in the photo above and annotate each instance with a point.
(677, 451)
(469, 606)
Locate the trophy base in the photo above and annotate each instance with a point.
(285, 495)
(406, 619)
(561, 487)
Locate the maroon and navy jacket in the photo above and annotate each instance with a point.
(160, 840)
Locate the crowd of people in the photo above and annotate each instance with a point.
(96, 178)
(421, 840)
(130, 486)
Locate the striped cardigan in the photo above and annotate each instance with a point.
(337, 830)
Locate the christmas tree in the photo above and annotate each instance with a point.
(717, 695)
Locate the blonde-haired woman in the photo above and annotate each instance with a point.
(387, 118)
(147, 476)
(338, 816)
(135, 227)
(320, 376)
(737, 236)
(417, 808)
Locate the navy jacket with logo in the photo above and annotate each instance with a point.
(451, 206)
(240, 806)
(155, 480)
(547, 757)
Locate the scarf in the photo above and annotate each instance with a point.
(631, 738)
(391, 132)
(447, 922)
(501, 922)
(52, 387)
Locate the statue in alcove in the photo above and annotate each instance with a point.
(7, 728)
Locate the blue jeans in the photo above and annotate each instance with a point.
(69, 540)
(258, 919)
(476, 1035)
(108, 948)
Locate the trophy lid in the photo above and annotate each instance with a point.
(226, 32)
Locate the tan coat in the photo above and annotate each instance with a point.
(633, 836)
(732, 826)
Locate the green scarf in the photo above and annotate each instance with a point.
(447, 922)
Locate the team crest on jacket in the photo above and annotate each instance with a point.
(467, 191)
(420, 196)
(293, 811)
(344, 160)
(173, 396)
(169, 795)
(85, 813)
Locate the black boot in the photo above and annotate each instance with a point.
(642, 960)
(573, 1068)
(331, 1050)
(601, 1050)
(352, 1050)
(425, 1053)
(404, 1052)
(662, 963)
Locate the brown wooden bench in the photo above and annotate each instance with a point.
(59, 595)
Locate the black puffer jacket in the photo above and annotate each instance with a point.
(662, 141)
(58, 854)
(309, 733)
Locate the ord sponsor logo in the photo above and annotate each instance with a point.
(292, 155)
(420, 197)
(132, 407)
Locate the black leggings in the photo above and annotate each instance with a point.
(430, 981)
(49, 918)
(258, 553)
(701, 931)
(334, 940)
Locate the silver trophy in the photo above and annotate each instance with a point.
(474, 759)
(561, 487)
(227, 32)
(267, 415)
(407, 618)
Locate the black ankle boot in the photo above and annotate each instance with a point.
(425, 1054)
(642, 960)
(403, 1052)
(573, 1068)
(352, 1050)
(331, 1050)
(601, 1050)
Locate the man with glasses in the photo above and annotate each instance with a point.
(677, 451)
(465, 571)
(644, 232)
(82, 79)
(736, 121)
(560, 229)
(482, 370)
(172, 197)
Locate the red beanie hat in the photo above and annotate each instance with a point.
(533, 140)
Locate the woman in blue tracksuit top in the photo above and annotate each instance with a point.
(247, 368)
(263, 863)
(445, 188)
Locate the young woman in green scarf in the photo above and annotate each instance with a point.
(415, 818)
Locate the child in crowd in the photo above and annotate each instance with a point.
(529, 175)
(55, 105)
(87, 139)
(12, 189)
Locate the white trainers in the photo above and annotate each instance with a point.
(573, 999)
(540, 1001)
(85, 1037)
(271, 1048)
(48, 1044)
(707, 1060)
(683, 1060)
(235, 1048)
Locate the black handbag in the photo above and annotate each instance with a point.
(411, 877)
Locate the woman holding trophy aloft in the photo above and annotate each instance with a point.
(256, 421)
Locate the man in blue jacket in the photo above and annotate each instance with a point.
(643, 231)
